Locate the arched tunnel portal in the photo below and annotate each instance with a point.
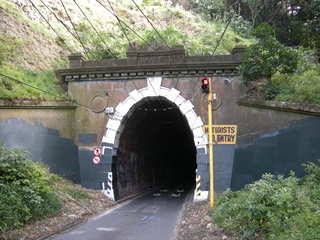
(152, 139)
(156, 147)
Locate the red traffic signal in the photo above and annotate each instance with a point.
(205, 86)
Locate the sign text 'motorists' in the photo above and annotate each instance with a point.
(222, 134)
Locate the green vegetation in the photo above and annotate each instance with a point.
(274, 55)
(26, 190)
(267, 56)
(303, 87)
(198, 36)
(291, 74)
(108, 39)
(202, 45)
(19, 83)
(274, 207)
(11, 8)
(295, 22)
(8, 48)
(29, 192)
(76, 194)
(25, 84)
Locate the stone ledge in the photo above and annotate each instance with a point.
(302, 108)
(120, 73)
(36, 104)
(138, 64)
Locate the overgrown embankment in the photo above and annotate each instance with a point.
(35, 203)
(36, 38)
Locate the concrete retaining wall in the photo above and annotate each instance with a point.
(46, 130)
(274, 138)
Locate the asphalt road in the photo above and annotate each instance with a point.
(153, 216)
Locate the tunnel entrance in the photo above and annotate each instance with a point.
(154, 138)
(156, 147)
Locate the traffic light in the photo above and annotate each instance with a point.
(205, 86)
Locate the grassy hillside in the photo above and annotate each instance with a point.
(37, 36)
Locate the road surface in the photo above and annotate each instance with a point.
(153, 216)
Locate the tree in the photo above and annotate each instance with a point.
(306, 21)
(255, 8)
(217, 10)
(296, 22)
(267, 57)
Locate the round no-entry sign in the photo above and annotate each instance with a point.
(97, 151)
(96, 159)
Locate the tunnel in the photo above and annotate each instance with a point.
(156, 147)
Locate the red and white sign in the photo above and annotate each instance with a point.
(96, 159)
(97, 151)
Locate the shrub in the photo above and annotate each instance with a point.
(307, 88)
(304, 88)
(168, 36)
(271, 91)
(25, 192)
(273, 208)
(13, 211)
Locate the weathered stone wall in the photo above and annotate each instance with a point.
(274, 137)
(91, 124)
(107, 83)
(91, 118)
(45, 129)
(51, 114)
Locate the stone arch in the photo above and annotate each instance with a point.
(123, 111)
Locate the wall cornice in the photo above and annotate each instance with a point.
(301, 108)
(6, 104)
(139, 64)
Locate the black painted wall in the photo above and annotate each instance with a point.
(276, 152)
(44, 145)
(270, 141)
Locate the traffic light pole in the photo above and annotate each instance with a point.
(211, 162)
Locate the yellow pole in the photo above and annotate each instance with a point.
(211, 162)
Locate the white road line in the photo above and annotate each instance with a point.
(106, 229)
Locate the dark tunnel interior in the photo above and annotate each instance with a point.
(156, 147)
